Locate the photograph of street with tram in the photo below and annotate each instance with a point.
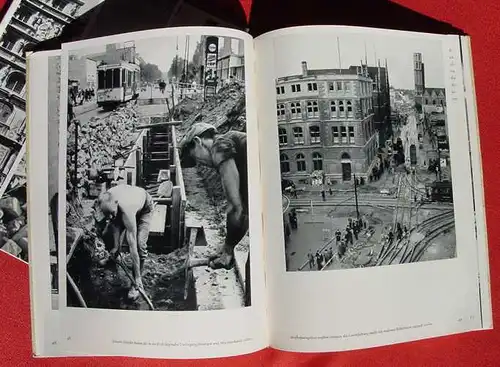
(364, 153)
(156, 175)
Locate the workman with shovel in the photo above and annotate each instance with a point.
(126, 211)
(227, 153)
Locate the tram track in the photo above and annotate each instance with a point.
(405, 250)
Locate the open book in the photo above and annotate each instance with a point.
(346, 160)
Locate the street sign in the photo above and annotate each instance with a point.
(211, 55)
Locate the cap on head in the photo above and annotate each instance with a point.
(185, 145)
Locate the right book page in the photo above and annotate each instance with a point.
(371, 169)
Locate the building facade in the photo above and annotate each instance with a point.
(32, 22)
(325, 124)
(83, 71)
(231, 60)
(428, 98)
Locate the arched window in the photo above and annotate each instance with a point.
(312, 109)
(349, 108)
(345, 156)
(298, 135)
(5, 110)
(295, 110)
(341, 108)
(301, 162)
(317, 161)
(284, 163)
(15, 82)
(315, 134)
(280, 111)
(333, 108)
(282, 136)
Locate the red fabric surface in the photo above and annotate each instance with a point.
(481, 20)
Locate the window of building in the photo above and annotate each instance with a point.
(9, 41)
(283, 138)
(339, 85)
(317, 161)
(335, 134)
(284, 163)
(331, 86)
(347, 86)
(16, 82)
(333, 108)
(5, 111)
(349, 108)
(311, 87)
(295, 110)
(343, 134)
(341, 108)
(351, 134)
(312, 109)
(315, 134)
(280, 90)
(23, 14)
(295, 88)
(426, 101)
(280, 108)
(298, 135)
(301, 162)
(434, 101)
(59, 4)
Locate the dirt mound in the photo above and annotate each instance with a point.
(226, 111)
(100, 140)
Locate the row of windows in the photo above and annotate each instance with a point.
(300, 161)
(332, 87)
(340, 134)
(338, 108)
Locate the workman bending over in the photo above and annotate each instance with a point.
(130, 209)
(227, 153)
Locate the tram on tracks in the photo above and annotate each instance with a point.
(116, 83)
(440, 192)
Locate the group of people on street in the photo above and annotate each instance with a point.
(79, 96)
(342, 240)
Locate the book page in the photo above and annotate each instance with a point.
(44, 74)
(368, 176)
(129, 107)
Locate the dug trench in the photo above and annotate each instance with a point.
(164, 273)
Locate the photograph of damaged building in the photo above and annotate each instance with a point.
(27, 22)
(130, 105)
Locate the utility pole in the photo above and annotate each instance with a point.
(356, 196)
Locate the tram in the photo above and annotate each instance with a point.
(440, 191)
(116, 83)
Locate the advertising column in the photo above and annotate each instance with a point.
(211, 53)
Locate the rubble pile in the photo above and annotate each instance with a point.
(13, 223)
(100, 141)
(226, 111)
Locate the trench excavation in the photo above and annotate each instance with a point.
(196, 201)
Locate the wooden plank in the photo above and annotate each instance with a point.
(175, 217)
(76, 234)
(159, 124)
(157, 226)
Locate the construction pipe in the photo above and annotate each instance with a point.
(77, 291)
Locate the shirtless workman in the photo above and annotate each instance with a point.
(130, 209)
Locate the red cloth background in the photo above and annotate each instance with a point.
(480, 19)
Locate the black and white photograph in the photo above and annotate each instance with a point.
(26, 22)
(364, 151)
(156, 174)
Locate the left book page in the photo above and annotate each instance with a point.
(158, 201)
